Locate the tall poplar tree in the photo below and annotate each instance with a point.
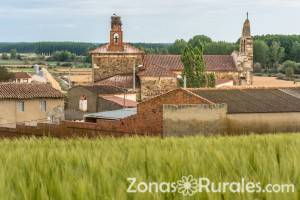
(194, 67)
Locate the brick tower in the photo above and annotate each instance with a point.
(116, 34)
(246, 53)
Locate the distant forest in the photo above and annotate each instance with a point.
(78, 48)
(270, 51)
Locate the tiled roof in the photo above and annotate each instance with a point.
(219, 63)
(128, 49)
(104, 89)
(173, 62)
(21, 75)
(254, 100)
(123, 81)
(156, 71)
(170, 62)
(120, 101)
(28, 91)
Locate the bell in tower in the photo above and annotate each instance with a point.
(116, 34)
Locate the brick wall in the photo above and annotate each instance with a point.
(149, 118)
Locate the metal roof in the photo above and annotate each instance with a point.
(254, 100)
(113, 115)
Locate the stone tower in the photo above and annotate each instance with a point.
(246, 53)
(116, 58)
(116, 34)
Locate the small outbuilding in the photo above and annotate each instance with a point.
(97, 98)
(21, 77)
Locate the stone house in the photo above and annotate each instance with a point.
(21, 77)
(123, 65)
(97, 98)
(30, 103)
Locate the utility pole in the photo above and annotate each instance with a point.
(184, 81)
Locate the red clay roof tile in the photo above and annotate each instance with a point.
(28, 91)
(120, 101)
(173, 62)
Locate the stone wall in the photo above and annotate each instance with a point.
(154, 86)
(202, 119)
(245, 59)
(228, 75)
(105, 66)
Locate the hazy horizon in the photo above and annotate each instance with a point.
(143, 21)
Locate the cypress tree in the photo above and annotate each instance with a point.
(194, 67)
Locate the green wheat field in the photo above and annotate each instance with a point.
(98, 168)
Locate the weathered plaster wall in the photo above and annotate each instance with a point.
(32, 113)
(74, 95)
(263, 122)
(202, 119)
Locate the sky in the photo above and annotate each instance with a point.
(143, 20)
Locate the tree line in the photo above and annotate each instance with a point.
(48, 48)
(270, 51)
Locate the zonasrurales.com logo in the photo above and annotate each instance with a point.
(189, 186)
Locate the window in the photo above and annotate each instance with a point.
(116, 38)
(83, 103)
(21, 106)
(43, 106)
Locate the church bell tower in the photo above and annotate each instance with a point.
(246, 52)
(116, 34)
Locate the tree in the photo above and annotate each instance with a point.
(295, 52)
(4, 56)
(211, 80)
(194, 67)
(275, 55)
(257, 68)
(63, 56)
(199, 40)
(5, 75)
(289, 72)
(291, 64)
(260, 53)
(178, 46)
(219, 48)
(13, 54)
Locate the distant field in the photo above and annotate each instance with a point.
(271, 82)
(99, 168)
(21, 69)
